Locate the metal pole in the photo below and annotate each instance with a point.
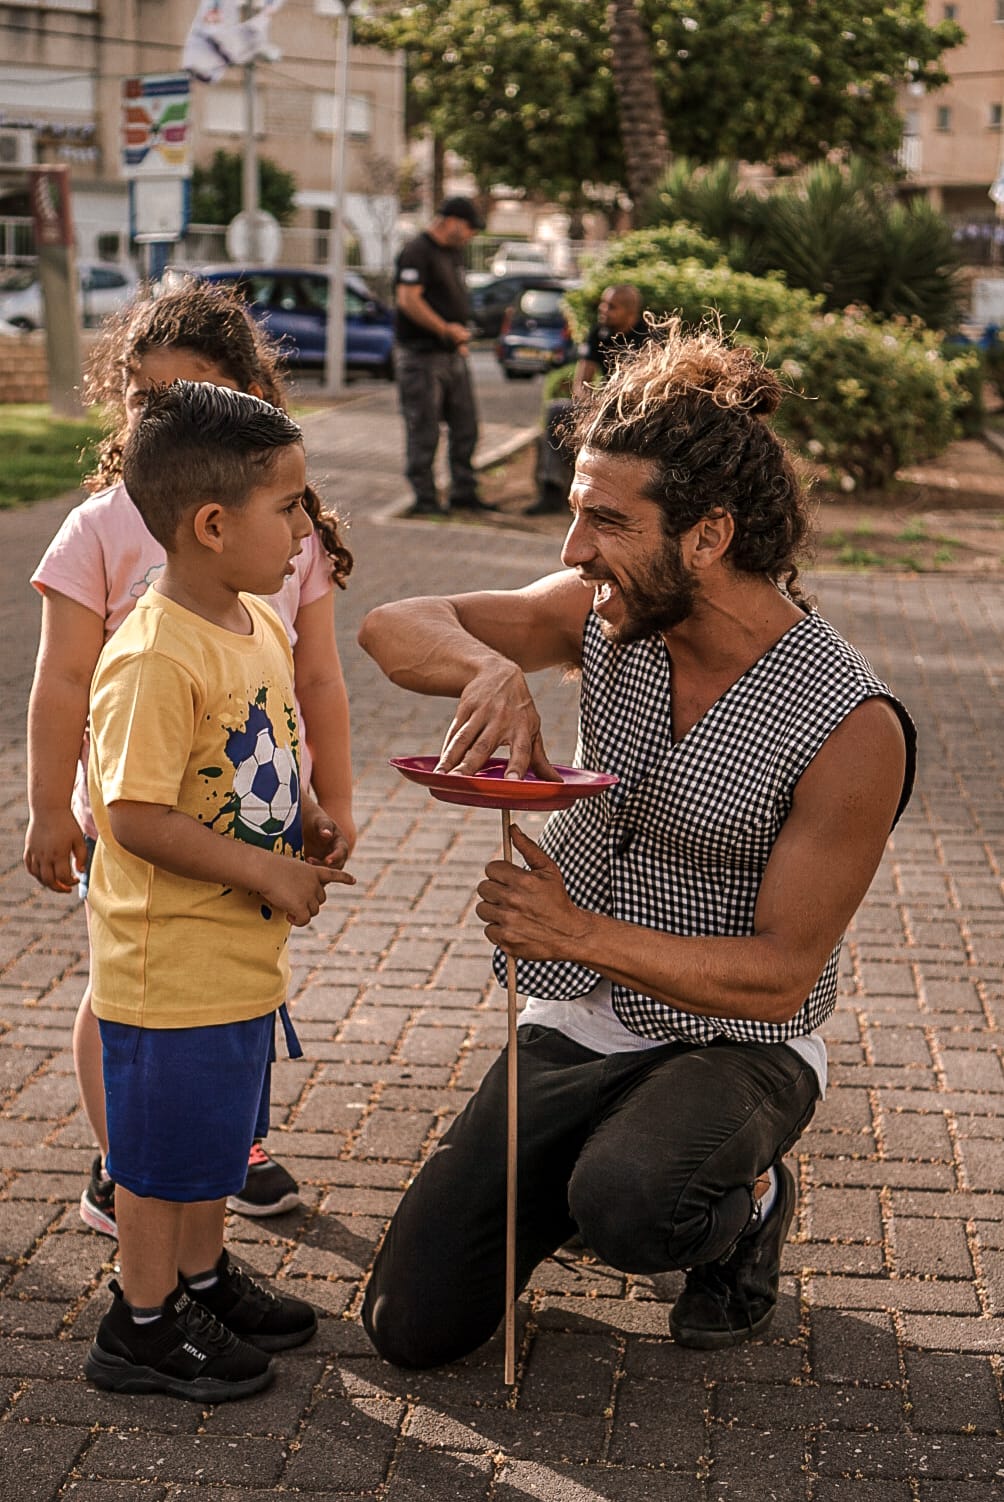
(249, 194)
(334, 367)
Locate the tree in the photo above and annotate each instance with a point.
(521, 89)
(524, 89)
(790, 81)
(217, 190)
(646, 149)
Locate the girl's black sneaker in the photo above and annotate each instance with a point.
(269, 1189)
(97, 1203)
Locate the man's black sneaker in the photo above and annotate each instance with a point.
(186, 1352)
(97, 1203)
(726, 1302)
(423, 508)
(268, 1188)
(254, 1313)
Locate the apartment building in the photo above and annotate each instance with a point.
(62, 64)
(953, 140)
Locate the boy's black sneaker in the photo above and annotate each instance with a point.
(255, 1314)
(186, 1352)
(97, 1203)
(268, 1188)
(734, 1299)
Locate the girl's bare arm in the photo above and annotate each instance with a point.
(71, 641)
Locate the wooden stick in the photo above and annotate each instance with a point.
(512, 1107)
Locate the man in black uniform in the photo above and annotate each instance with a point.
(619, 326)
(433, 371)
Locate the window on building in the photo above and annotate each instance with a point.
(358, 115)
(951, 12)
(943, 119)
(995, 116)
(223, 111)
(1000, 10)
(109, 246)
(322, 232)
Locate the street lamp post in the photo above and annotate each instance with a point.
(249, 182)
(334, 367)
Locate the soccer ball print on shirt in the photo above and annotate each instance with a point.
(263, 805)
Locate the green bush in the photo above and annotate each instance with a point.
(748, 304)
(878, 394)
(670, 242)
(874, 395)
(710, 199)
(836, 230)
(973, 375)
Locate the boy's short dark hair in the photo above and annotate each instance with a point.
(195, 443)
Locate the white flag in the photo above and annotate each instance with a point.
(220, 38)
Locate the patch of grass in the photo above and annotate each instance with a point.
(41, 453)
(855, 557)
(914, 531)
(910, 563)
(944, 555)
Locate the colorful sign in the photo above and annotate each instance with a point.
(155, 121)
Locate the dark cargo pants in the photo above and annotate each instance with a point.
(435, 387)
(651, 1156)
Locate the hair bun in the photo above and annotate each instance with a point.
(746, 383)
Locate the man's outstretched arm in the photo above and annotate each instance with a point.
(478, 648)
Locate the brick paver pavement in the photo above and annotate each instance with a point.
(881, 1379)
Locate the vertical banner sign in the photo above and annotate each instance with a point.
(156, 157)
(155, 126)
(51, 213)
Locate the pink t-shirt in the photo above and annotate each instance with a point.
(104, 558)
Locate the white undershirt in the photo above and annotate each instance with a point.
(591, 1021)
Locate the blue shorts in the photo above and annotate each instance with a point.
(184, 1105)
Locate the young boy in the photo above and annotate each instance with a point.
(196, 878)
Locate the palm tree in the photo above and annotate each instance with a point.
(646, 145)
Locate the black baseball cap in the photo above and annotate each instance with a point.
(461, 208)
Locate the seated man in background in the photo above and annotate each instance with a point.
(620, 325)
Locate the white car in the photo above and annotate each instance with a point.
(104, 288)
(521, 257)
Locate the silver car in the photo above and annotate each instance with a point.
(104, 288)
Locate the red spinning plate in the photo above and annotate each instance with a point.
(489, 788)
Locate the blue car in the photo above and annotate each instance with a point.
(535, 336)
(293, 305)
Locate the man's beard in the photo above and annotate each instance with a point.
(663, 598)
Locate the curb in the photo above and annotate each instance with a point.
(993, 440)
(502, 449)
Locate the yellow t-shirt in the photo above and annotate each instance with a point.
(188, 714)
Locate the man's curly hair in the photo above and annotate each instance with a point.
(693, 407)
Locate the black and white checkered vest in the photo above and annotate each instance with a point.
(681, 843)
